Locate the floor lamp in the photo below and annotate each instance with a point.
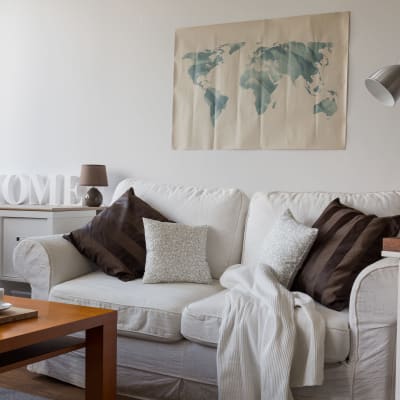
(384, 85)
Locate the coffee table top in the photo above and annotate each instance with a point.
(54, 320)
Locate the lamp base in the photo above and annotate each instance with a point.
(93, 198)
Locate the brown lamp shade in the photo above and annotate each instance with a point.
(93, 175)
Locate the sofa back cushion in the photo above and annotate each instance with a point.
(222, 210)
(265, 208)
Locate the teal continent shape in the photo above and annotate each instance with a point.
(297, 60)
(202, 63)
(327, 106)
(216, 101)
(263, 73)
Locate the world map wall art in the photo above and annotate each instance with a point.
(271, 84)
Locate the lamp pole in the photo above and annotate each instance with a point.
(384, 85)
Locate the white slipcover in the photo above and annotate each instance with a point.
(201, 321)
(147, 370)
(367, 374)
(46, 261)
(151, 311)
(222, 210)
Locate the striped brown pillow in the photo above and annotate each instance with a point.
(347, 242)
(114, 239)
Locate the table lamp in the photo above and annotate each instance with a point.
(384, 84)
(93, 175)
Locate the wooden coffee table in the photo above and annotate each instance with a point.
(27, 341)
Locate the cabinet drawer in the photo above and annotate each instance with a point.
(14, 230)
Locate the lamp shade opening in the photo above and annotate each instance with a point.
(384, 84)
(93, 175)
(379, 92)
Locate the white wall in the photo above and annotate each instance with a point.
(91, 81)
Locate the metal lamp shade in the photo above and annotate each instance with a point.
(93, 175)
(384, 84)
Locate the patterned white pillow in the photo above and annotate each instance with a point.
(286, 246)
(175, 253)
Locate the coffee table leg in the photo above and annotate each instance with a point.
(101, 343)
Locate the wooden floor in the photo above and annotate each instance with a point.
(25, 381)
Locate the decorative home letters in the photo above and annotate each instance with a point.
(38, 189)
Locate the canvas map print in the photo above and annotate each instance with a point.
(271, 84)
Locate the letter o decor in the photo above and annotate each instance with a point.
(15, 189)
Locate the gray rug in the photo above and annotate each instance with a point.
(6, 394)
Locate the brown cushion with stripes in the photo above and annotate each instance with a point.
(114, 239)
(347, 242)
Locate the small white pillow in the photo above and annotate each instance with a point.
(286, 246)
(175, 253)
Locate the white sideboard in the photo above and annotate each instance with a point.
(20, 222)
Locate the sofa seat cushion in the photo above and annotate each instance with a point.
(144, 311)
(201, 321)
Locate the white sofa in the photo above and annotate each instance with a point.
(168, 333)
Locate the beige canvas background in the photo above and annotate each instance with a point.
(292, 123)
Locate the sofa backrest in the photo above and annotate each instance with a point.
(223, 210)
(265, 208)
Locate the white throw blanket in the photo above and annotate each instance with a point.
(258, 337)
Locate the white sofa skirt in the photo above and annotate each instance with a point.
(180, 371)
(147, 369)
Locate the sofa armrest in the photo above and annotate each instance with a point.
(373, 300)
(47, 261)
(373, 319)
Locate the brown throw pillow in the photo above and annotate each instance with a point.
(114, 239)
(347, 242)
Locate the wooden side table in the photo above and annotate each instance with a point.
(19, 222)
